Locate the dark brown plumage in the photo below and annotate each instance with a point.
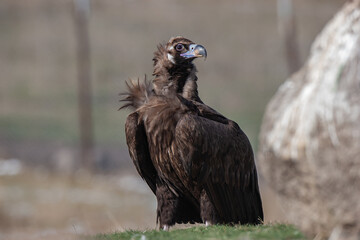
(199, 164)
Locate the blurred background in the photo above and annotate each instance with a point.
(64, 164)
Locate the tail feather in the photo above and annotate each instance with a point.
(137, 95)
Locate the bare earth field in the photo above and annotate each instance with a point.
(38, 205)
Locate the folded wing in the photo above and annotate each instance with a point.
(217, 153)
(139, 150)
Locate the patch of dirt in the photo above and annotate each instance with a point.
(37, 204)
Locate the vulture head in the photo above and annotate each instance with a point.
(180, 50)
(173, 67)
(174, 72)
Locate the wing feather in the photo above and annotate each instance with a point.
(217, 152)
(139, 150)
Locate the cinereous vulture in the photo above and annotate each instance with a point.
(199, 164)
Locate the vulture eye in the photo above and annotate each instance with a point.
(179, 47)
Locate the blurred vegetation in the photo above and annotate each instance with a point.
(217, 232)
(38, 70)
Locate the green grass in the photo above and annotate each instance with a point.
(273, 231)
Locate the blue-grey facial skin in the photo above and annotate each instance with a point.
(195, 51)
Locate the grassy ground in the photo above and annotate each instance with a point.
(276, 231)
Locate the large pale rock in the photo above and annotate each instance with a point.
(310, 137)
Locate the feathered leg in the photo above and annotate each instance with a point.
(208, 213)
(167, 206)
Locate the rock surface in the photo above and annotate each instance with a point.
(309, 149)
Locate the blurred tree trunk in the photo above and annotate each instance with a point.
(82, 10)
(309, 149)
(287, 29)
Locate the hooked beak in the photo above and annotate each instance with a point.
(195, 51)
